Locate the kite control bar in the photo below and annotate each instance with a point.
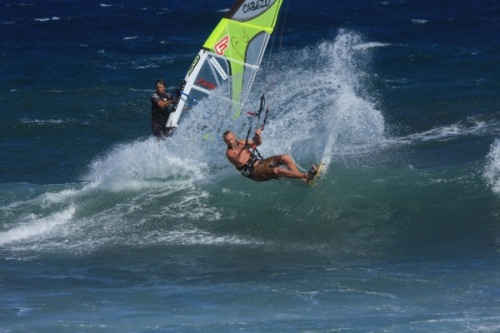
(261, 108)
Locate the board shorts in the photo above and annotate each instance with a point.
(264, 170)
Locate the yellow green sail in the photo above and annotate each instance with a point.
(231, 56)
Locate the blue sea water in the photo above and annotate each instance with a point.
(104, 229)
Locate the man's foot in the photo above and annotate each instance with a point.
(311, 173)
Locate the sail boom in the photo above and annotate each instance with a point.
(205, 91)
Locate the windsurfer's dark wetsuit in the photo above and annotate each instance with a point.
(159, 116)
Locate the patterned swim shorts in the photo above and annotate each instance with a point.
(264, 170)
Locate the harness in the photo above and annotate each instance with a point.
(247, 169)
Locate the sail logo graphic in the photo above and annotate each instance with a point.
(240, 42)
(256, 5)
(222, 45)
(204, 83)
(193, 65)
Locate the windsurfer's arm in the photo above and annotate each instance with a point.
(164, 103)
(238, 157)
(161, 101)
(257, 139)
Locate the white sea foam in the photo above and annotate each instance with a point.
(419, 21)
(147, 66)
(43, 121)
(199, 237)
(32, 226)
(492, 170)
(370, 45)
(147, 163)
(23, 311)
(136, 183)
(45, 19)
(60, 197)
(471, 126)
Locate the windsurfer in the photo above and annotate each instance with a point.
(160, 102)
(254, 167)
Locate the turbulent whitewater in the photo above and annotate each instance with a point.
(104, 228)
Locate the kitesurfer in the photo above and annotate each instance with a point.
(243, 155)
(160, 105)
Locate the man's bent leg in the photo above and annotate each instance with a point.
(290, 164)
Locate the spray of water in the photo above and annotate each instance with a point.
(319, 110)
(323, 109)
(492, 170)
(319, 107)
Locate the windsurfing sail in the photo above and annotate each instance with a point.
(230, 58)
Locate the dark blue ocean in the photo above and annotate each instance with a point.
(105, 229)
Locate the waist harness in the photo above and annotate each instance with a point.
(247, 169)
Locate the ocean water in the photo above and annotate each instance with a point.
(104, 229)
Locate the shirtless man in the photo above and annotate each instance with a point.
(255, 168)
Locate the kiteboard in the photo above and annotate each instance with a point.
(320, 169)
